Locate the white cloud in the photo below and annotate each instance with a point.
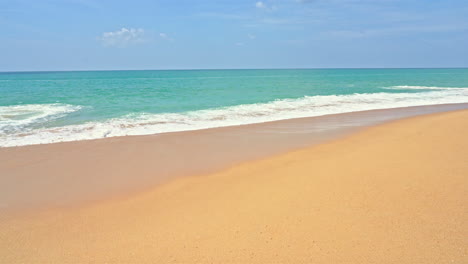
(260, 5)
(122, 37)
(264, 6)
(164, 36)
(251, 36)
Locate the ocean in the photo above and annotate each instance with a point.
(48, 107)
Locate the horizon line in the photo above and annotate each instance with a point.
(220, 69)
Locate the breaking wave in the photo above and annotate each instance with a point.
(14, 117)
(408, 87)
(18, 117)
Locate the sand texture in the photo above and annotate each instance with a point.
(394, 193)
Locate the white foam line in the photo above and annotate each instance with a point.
(17, 117)
(409, 87)
(144, 124)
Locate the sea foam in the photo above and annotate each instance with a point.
(16, 117)
(410, 87)
(150, 123)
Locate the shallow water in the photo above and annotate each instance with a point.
(47, 107)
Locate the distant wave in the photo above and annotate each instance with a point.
(408, 87)
(148, 123)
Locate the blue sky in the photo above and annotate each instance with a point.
(172, 34)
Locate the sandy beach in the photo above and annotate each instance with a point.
(391, 193)
(253, 131)
(67, 174)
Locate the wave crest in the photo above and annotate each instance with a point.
(409, 87)
(148, 123)
(18, 117)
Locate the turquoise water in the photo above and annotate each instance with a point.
(46, 107)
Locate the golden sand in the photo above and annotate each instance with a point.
(395, 193)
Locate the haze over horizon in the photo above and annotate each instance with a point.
(53, 35)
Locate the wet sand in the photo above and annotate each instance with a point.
(393, 193)
(73, 173)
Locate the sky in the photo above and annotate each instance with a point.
(46, 35)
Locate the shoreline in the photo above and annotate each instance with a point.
(68, 174)
(390, 193)
(260, 123)
(413, 111)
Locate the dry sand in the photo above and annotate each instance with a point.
(395, 193)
